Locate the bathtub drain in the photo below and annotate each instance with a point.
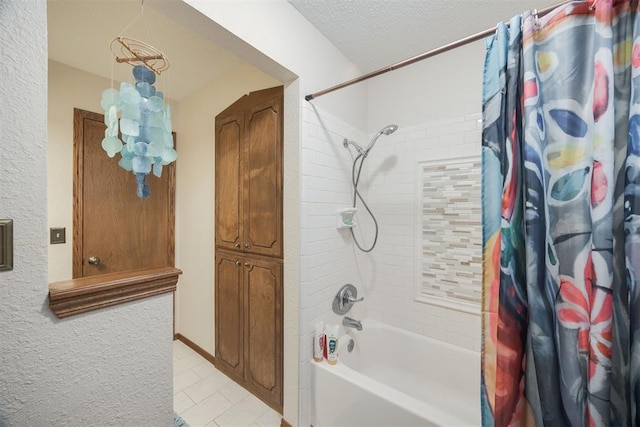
(350, 346)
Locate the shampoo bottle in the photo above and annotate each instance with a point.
(318, 342)
(332, 343)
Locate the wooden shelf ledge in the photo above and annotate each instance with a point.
(76, 296)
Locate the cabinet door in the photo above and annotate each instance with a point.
(263, 326)
(262, 205)
(229, 295)
(228, 203)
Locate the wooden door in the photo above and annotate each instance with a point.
(110, 221)
(228, 151)
(263, 326)
(229, 327)
(262, 205)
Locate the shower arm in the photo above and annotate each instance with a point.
(359, 149)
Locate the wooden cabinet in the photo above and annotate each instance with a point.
(249, 174)
(249, 323)
(248, 238)
(229, 326)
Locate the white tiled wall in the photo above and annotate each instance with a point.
(327, 255)
(392, 171)
(386, 276)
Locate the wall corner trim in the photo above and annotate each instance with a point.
(70, 297)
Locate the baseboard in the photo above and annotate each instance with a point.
(283, 423)
(195, 347)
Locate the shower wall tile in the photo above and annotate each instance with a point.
(450, 215)
(327, 256)
(386, 277)
(392, 176)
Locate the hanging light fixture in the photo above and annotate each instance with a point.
(137, 116)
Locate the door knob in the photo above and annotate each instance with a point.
(94, 260)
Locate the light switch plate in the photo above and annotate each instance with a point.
(57, 235)
(6, 244)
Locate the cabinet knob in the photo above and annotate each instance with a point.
(246, 264)
(237, 245)
(237, 263)
(94, 260)
(247, 246)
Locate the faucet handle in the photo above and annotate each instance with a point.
(344, 300)
(350, 299)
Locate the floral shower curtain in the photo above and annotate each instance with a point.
(561, 219)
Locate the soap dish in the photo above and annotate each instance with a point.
(345, 218)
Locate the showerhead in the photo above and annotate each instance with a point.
(387, 130)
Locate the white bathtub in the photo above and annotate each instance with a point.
(396, 378)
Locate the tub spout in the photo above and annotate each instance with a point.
(352, 323)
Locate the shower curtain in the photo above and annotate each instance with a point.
(561, 219)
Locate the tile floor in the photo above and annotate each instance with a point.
(204, 396)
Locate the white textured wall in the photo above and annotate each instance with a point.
(109, 367)
(194, 197)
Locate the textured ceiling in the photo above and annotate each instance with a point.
(377, 33)
(371, 33)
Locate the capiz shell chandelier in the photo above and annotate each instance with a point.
(137, 117)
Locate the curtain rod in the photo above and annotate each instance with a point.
(425, 55)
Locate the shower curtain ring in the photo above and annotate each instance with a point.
(536, 20)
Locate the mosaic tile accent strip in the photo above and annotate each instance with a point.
(451, 229)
